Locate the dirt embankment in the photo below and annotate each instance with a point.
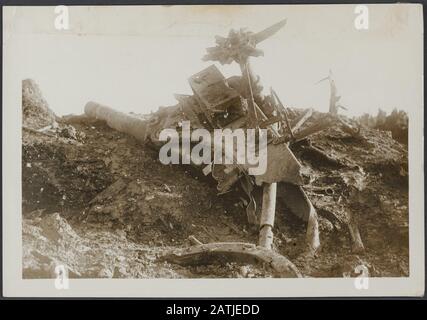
(102, 204)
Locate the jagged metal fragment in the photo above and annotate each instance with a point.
(282, 165)
(215, 96)
(298, 202)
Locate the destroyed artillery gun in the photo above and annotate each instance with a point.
(236, 102)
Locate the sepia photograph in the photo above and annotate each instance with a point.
(214, 142)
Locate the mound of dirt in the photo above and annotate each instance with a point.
(36, 113)
(362, 181)
(101, 203)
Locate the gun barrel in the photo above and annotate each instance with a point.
(118, 120)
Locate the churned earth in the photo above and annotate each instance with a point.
(102, 204)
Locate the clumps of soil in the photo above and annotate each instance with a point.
(88, 252)
(369, 188)
(101, 203)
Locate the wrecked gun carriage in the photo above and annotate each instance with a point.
(205, 109)
(236, 103)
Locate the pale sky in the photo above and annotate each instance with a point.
(135, 58)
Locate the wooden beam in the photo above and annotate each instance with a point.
(267, 215)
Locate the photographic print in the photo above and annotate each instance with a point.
(217, 142)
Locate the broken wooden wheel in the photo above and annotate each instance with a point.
(233, 251)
